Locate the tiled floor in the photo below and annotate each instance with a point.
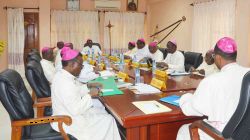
(5, 126)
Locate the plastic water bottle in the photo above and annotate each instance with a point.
(134, 59)
(93, 54)
(107, 63)
(99, 58)
(88, 54)
(121, 58)
(137, 76)
(153, 68)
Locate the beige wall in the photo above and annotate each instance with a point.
(242, 31)
(166, 12)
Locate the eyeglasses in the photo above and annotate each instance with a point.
(213, 55)
(80, 64)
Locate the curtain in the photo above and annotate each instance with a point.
(16, 40)
(212, 21)
(75, 27)
(127, 27)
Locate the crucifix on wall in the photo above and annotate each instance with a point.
(110, 26)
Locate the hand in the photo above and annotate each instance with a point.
(192, 69)
(202, 71)
(94, 92)
(94, 85)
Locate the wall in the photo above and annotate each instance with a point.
(242, 31)
(165, 12)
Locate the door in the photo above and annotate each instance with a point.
(31, 29)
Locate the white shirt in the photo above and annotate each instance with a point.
(175, 61)
(209, 69)
(70, 97)
(141, 53)
(217, 96)
(94, 47)
(58, 61)
(48, 69)
(87, 73)
(131, 53)
(157, 56)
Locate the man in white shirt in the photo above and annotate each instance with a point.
(142, 50)
(131, 50)
(156, 54)
(58, 63)
(175, 59)
(70, 97)
(217, 95)
(208, 66)
(47, 63)
(90, 47)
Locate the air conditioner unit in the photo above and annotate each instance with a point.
(108, 4)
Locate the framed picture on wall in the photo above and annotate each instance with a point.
(132, 5)
(73, 5)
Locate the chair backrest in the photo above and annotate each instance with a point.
(238, 127)
(14, 96)
(37, 80)
(33, 56)
(192, 59)
(163, 50)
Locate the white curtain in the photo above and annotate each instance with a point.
(127, 27)
(16, 40)
(212, 21)
(75, 27)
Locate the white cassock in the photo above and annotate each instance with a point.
(209, 69)
(58, 61)
(70, 97)
(217, 97)
(131, 53)
(175, 61)
(157, 56)
(48, 69)
(141, 53)
(95, 48)
(87, 73)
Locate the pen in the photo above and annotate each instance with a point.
(157, 105)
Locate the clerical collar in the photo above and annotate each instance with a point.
(228, 66)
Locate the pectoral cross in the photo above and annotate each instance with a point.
(110, 26)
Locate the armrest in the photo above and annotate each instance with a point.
(43, 120)
(208, 129)
(17, 125)
(44, 99)
(42, 104)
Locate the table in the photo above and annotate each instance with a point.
(174, 83)
(135, 125)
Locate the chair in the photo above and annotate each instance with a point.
(238, 127)
(164, 51)
(192, 59)
(18, 103)
(40, 85)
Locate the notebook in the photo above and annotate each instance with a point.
(151, 107)
(173, 99)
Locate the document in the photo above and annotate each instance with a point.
(142, 88)
(151, 107)
(106, 73)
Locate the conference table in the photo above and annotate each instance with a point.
(135, 125)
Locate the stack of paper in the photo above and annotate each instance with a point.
(150, 107)
(145, 89)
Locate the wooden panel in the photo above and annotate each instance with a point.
(31, 29)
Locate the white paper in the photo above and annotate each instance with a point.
(150, 107)
(106, 73)
(145, 89)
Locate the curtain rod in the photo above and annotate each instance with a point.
(6, 7)
(101, 11)
(199, 2)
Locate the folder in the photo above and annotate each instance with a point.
(151, 107)
(173, 99)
